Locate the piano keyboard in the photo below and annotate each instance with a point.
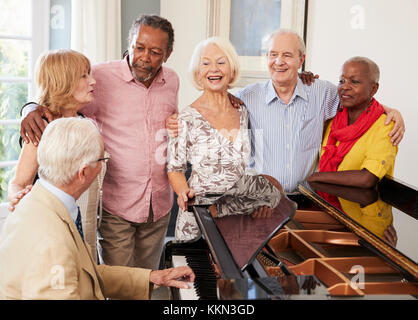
(185, 294)
(204, 286)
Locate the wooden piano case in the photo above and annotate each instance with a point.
(340, 254)
(311, 250)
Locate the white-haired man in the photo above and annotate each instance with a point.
(42, 252)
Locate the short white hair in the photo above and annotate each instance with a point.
(67, 145)
(302, 47)
(227, 48)
(373, 67)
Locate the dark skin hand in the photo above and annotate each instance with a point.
(32, 127)
(235, 101)
(308, 77)
(309, 284)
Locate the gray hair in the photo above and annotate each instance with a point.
(373, 67)
(302, 47)
(226, 47)
(155, 22)
(66, 145)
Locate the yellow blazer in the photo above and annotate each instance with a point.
(42, 256)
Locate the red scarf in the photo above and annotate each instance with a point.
(347, 135)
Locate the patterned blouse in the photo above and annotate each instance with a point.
(217, 162)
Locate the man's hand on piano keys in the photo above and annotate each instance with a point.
(173, 277)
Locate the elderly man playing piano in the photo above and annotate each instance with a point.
(42, 251)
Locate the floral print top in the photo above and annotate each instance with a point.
(217, 162)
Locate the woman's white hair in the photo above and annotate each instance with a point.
(66, 145)
(228, 49)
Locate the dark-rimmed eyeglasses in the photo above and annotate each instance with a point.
(105, 159)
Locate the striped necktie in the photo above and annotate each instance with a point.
(78, 223)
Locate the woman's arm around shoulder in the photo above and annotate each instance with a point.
(26, 169)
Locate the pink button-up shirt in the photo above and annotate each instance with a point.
(132, 121)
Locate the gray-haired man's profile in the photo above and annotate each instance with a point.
(42, 252)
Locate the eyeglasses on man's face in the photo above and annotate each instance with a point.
(105, 159)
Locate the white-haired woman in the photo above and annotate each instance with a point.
(214, 138)
(64, 86)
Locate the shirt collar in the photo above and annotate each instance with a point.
(127, 74)
(271, 93)
(126, 70)
(160, 78)
(66, 199)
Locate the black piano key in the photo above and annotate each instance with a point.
(205, 281)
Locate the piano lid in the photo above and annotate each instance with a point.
(389, 212)
(244, 235)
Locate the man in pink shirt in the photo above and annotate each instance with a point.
(133, 97)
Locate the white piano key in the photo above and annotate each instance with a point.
(188, 294)
(179, 261)
(185, 294)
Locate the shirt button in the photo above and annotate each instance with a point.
(383, 162)
(379, 214)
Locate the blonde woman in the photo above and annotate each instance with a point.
(64, 86)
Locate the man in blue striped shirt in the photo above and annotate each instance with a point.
(287, 117)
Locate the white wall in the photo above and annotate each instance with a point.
(130, 10)
(385, 31)
(188, 18)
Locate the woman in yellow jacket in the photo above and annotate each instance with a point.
(356, 149)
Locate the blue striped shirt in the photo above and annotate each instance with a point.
(286, 139)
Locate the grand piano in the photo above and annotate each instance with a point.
(326, 242)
